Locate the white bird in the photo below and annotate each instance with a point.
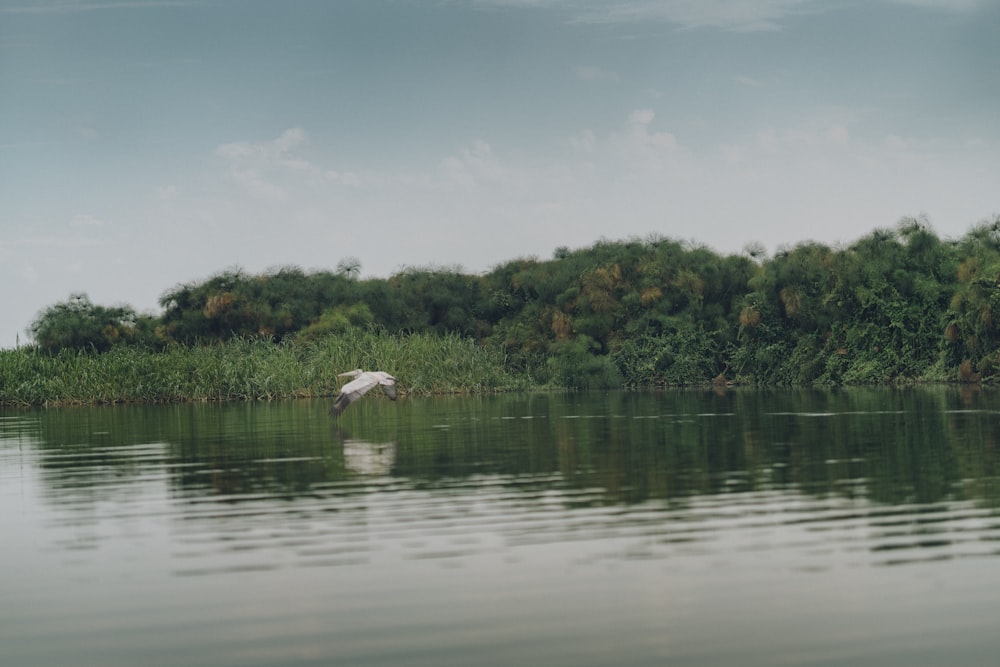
(359, 386)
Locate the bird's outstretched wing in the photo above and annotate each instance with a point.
(388, 383)
(389, 389)
(360, 385)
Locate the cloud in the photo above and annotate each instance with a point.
(262, 168)
(820, 177)
(638, 142)
(276, 149)
(487, 201)
(288, 140)
(274, 170)
(474, 166)
(258, 185)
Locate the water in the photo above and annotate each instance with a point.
(681, 528)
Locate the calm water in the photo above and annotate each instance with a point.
(679, 528)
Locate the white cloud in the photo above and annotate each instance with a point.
(817, 178)
(474, 166)
(637, 141)
(271, 170)
(289, 139)
(276, 149)
(258, 185)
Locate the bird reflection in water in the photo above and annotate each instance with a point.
(371, 459)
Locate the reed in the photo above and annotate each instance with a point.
(244, 369)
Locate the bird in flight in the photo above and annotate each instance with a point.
(359, 386)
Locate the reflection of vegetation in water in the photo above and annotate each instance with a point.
(889, 446)
(230, 449)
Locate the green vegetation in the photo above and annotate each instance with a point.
(245, 369)
(79, 324)
(896, 306)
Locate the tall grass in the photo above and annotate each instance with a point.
(251, 370)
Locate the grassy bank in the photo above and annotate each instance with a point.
(251, 370)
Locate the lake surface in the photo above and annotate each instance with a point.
(676, 528)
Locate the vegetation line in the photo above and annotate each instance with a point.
(897, 306)
(245, 369)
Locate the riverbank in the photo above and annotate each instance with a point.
(244, 369)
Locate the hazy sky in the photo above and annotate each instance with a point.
(146, 143)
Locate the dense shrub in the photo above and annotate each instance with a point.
(898, 305)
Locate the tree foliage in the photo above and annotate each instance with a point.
(897, 305)
(78, 324)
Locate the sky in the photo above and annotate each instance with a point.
(149, 143)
